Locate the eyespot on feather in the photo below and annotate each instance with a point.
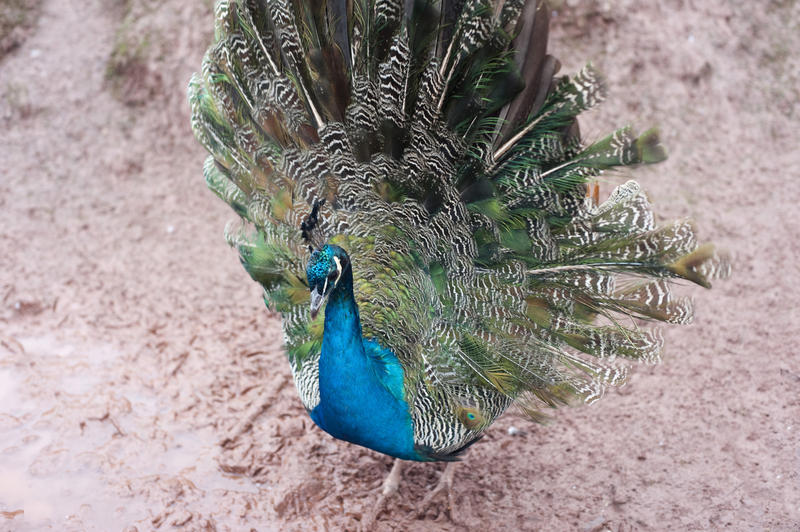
(470, 417)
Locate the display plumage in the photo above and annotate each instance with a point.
(415, 168)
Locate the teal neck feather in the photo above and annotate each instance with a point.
(360, 383)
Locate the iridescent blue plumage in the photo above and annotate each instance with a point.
(362, 399)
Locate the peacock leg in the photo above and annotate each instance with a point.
(445, 484)
(392, 481)
(390, 485)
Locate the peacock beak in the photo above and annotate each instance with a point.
(316, 302)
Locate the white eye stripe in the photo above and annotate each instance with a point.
(338, 269)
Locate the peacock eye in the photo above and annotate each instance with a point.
(332, 276)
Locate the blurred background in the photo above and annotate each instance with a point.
(142, 382)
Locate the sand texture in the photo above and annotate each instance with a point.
(143, 384)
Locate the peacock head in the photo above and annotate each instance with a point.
(325, 270)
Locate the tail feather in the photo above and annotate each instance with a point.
(532, 62)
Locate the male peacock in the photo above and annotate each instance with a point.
(414, 167)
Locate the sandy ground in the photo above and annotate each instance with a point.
(142, 383)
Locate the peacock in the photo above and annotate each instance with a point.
(419, 206)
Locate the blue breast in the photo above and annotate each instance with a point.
(361, 386)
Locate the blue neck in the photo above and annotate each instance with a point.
(360, 383)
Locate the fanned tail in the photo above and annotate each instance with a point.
(448, 153)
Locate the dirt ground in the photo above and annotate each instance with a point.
(142, 383)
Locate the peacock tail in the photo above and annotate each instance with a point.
(435, 143)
